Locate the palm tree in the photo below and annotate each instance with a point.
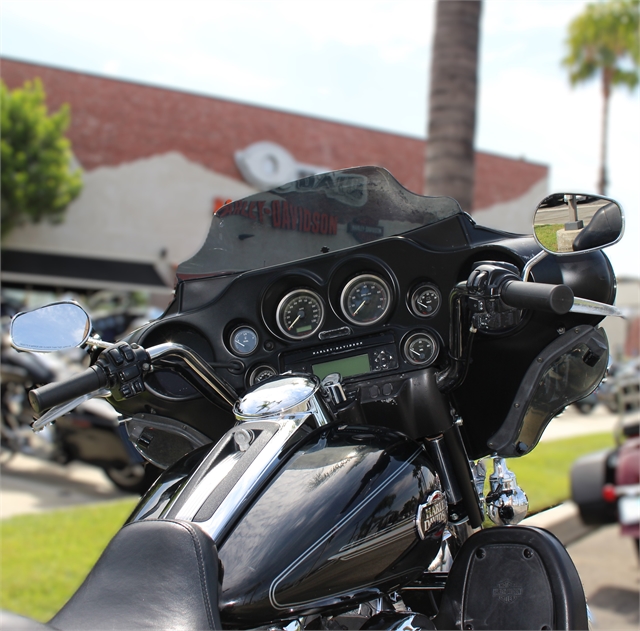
(604, 40)
(449, 166)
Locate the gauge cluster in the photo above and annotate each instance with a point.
(352, 320)
(349, 313)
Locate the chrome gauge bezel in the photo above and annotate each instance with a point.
(412, 339)
(352, 285)
(283, 305)
(232, 344)
(417, 292)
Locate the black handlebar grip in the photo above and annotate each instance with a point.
(557, 299)
(59, 392)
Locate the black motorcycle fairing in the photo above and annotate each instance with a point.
(513, 577)
(498, 361)
(133, 585)
(211, 302)
(502, 361)
(336, 526)
(569, 368)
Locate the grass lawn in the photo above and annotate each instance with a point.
(544, 473)
(546, 234)
(44, 558)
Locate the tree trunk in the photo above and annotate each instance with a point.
(449, 167)
(606, 93)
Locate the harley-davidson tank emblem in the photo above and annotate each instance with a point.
(432, 514)
(507, 592)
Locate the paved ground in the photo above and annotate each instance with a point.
(608, 566)
(32, 486)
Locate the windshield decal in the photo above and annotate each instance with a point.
(283, 216)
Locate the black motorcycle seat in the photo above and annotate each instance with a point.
(156, 574)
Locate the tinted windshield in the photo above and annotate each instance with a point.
(320, 213)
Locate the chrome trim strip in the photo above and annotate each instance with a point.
(211, 480)
(257, 470)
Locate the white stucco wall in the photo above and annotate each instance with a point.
(516, 215)
(134, 211)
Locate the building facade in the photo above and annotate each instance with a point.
(157, 162)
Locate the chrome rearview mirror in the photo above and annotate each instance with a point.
(56, 327)
(566, 223)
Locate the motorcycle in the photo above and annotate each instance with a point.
(341, 360)
(90, 434)
(605, 485)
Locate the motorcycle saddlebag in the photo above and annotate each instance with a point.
(513, 577)
(589, 475)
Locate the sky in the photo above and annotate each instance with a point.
(359, 62)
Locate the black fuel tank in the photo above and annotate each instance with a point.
(338, 525)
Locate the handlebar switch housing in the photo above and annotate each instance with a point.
(489, 312)
(125, 365)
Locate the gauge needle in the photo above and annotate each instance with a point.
(300, 315)
(362, 304)
(415, 352)
(421, 304)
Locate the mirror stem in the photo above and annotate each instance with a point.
(531, 262)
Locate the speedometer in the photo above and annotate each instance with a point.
(365, 300)
(300, 314)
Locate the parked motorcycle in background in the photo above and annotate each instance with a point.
(606, 485)
(90, 433)
(340, 362)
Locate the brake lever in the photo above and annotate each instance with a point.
(60, 410)
(592, 307)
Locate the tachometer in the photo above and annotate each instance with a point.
(365, 300)
(300, 314)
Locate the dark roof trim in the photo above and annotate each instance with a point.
(58, 266)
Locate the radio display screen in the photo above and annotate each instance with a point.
(347, 367)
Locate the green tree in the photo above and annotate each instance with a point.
(449, 165)
(36, 181)
(604, 41)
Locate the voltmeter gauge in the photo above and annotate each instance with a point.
(425, 300)
(243, 341)
(420, 349)
(300, 314)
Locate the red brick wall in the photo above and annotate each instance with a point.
(114, 121)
